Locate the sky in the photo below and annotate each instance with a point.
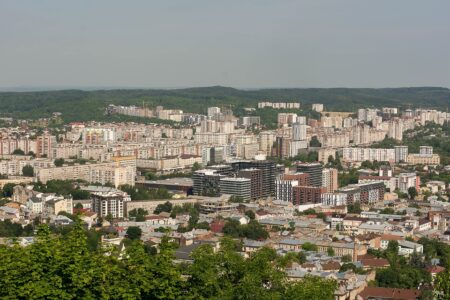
(236, 43)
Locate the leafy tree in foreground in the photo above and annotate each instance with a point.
(69, 267)
(442, 285)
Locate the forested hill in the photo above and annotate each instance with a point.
(78, 105)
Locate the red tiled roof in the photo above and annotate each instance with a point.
(435, 269)
(391, 237)
(375, 262)
(390, 293)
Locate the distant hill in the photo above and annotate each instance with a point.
(78, 105)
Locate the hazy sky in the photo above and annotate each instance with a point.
(168, 43)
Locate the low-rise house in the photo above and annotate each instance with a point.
(249, 246)
(407, 247)
(290, 244)
(58, 204)
(351, 224)
(386, 238)
(374, 263)
(35, 205)
(271, 223)
(62, 220)
(371, 240)
(21, 194)
(372, 227)
(424, 225)
(183, 253)
(436, 186)
(9, 213)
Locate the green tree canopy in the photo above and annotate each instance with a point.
(134, 233)
(28, 171)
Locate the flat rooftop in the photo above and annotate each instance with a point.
(181, 181)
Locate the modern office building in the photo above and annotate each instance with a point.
(314, 170)
(206, 183)
(236, 186)
(225, 170)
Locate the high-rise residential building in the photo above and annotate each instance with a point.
(366, 193)
(385, 171)
(268, 176)
(301, 178)
(236, 186)
(286, 118)
(334, 199)
(209, 126)
(9, 144)
(330, 179)
(266, 141)
(349, 122)
(325, 153)
(317, 107)
(45, 144)
(362, 114)
(390, 110)
(333, 121)
(212, 111)
(407, 180)
(256, 181)
(116, 173)
(367, 114)
(218, 155)
(395, 129)
(307, 195)
(109, 202)
(401, 152)
(358, 154)
(284, 190)
(299, 129)
(426, 150)
(279, 105)
(250, 120)
(314, 170)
